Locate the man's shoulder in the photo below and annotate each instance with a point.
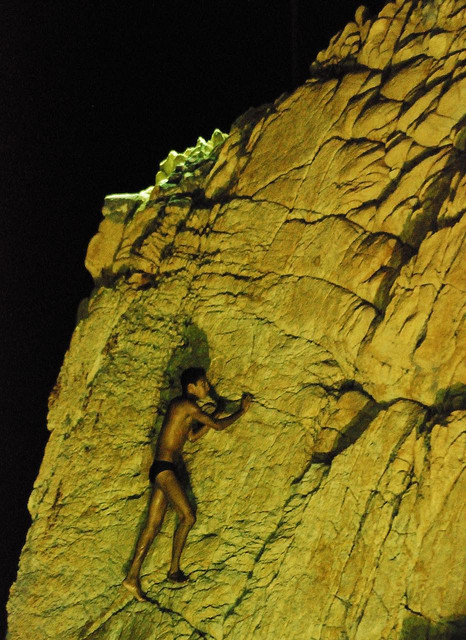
(181, 403)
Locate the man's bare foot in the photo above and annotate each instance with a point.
(177, 576)
(134, 588)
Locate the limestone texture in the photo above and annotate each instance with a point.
(315, 259)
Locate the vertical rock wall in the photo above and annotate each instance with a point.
(316, 261)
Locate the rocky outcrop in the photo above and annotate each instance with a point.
(315, 258)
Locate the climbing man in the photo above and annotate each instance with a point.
(178, 426)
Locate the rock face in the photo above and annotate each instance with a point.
(316, 261)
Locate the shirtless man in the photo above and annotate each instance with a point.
(182, 414)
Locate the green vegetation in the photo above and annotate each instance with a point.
(177, 164)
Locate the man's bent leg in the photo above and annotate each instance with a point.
(173, 490)
(156, 513)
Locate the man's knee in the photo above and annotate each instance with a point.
(188, 518)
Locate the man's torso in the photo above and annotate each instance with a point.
(174, 430)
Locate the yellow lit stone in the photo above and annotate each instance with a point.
(315, 258)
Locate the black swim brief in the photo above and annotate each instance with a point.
(161, 465)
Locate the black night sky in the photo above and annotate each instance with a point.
(93, 96)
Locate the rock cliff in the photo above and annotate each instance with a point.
(314, 258)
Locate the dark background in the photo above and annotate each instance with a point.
(93, 95)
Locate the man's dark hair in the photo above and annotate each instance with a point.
(191, 375)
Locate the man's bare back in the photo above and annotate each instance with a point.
(182, 414)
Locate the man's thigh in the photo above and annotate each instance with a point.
(173, 491)
(158, 505)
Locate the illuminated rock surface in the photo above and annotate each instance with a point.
(317, 263)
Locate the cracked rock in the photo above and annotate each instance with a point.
(315, 260)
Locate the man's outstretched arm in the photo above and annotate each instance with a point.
(218, 424)
(193, 434)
